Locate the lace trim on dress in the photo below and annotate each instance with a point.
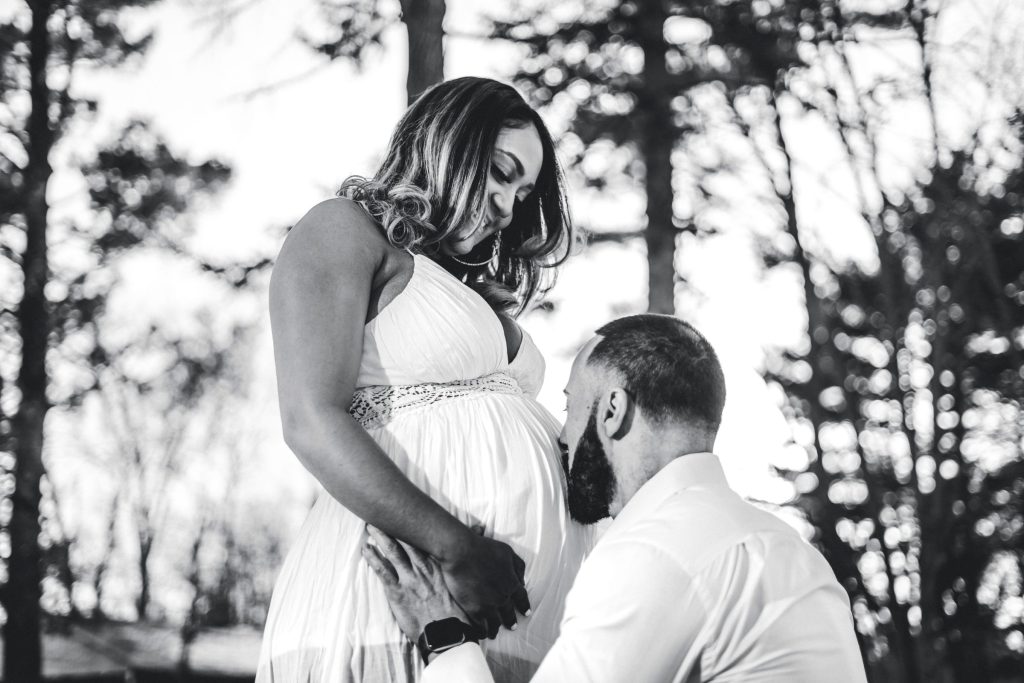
(376, 405)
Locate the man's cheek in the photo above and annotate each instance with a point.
(571, 455)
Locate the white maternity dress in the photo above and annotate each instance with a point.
(436, 391)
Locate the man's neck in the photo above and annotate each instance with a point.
(664, 443)
(651, 452)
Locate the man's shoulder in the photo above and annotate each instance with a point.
(695, 526)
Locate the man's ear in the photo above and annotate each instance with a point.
(615, 413)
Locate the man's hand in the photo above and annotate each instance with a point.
(413, 583)
(486, 580)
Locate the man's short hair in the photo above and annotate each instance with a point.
(667, 366)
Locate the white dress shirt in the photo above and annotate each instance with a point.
(692, 583)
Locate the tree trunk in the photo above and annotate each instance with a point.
(22, 643)
(190, 629)
(104, 562)
(145, 548)
(60, 554)
(656, 134)
(424, 23)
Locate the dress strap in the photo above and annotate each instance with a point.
(374, 406)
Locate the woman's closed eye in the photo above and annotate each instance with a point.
(501, 174)
(523, 194)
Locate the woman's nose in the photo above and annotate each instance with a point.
(503, 204)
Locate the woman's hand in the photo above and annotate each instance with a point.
(485, 577)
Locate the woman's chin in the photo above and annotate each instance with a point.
(465, 242)
(460, 249)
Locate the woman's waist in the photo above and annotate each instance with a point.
(376, 406)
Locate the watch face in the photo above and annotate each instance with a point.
(444, 633)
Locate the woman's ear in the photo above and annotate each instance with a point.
(615, 413)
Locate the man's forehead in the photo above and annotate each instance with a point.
(579, 365)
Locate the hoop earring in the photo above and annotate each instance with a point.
(494, 254)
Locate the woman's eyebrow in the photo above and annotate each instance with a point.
(519, 165)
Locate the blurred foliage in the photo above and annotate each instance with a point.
(350, 29)
(905, 397)
(908, 405)
(59, 272)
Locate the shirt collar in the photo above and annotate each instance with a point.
(693, 470)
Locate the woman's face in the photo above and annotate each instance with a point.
(515, 165)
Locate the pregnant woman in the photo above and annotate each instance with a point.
(407, 389)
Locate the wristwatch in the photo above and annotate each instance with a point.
(442, 635)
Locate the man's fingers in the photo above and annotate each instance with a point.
(522, 601)
(418, 559)
(390, 549)
(381, 567)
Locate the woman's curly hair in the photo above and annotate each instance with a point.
(434, 176)
(403, 211)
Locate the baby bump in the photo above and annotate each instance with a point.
(491, 460)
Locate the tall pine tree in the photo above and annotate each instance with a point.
(139, 189)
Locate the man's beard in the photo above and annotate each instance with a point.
(591, 479)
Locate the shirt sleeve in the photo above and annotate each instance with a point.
(462, 664)
(633, 614)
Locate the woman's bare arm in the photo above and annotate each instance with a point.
(319, 295)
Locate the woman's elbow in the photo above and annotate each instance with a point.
(308, 430)
(298, 426)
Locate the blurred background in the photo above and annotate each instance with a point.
(831, 190)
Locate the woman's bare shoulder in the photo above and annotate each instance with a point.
(335, 232)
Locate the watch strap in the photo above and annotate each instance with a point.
(426, 648)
